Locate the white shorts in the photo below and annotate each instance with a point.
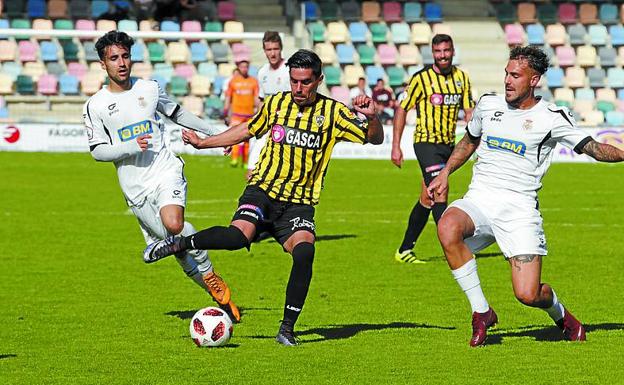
(170, 192)
(515, 224)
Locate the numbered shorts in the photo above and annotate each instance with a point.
(516, 227)
(171, 192)
(432, 158)
(280, 219)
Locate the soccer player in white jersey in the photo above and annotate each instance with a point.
(123, 127)
(514, 137)
(273, 77)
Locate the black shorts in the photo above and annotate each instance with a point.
(280, 219)
(432, 158)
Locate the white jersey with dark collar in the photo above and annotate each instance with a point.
(272, 80)
(517, 145)
(116, 118)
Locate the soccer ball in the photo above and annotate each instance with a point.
(211, 327)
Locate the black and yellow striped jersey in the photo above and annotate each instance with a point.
(437, 99)
(294, 160)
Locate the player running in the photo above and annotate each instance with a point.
(285, 186)
(514, 137)
(123, 127)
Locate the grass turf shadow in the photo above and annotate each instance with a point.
(5, 356)
(323, 238)
(442, 258)
(188, 314)
(544, 333)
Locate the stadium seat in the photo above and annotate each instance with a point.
(47, 85)
(6, 84)
(544, 93)
(96, 69)
(605, 106)
(193, 104)
(588, 13)
(609, 13)
(332, 75)
(85, 25)
(596, 77)
(409, 55)
(615, 77)
(179, 86)
(226, 69)
(352, 74)
(412, 12)
(593, 118)
(25, 85)
(240, 52)
(391, 11)
(90, 52)
(341, 94)
(374, 73)
(142, 70)
(586, 56)
(554, 77)
(8, 50)
(208, 69)
(575, 77)
(379, 32)
(48, 51)
(213, 26)
(566, 56)
(564, 97)
(105, 25)
(555, 35)
(567, 13)
(233, 26)
(162, 82)
(326, 52)
(200, 85)
(20, 24)
(421, 33)
(387, 54)
(401, 33)
(191, 26)
(535, 34)
(178, 52)
(91, 83)
(127, 25)
(27, 51)
(184, 70)
(42, 25)
(311, 10)
(70, 50)
(433, 12)
(63, 24)
(367, 54)
(156, 52)
(98, 8)
(57, 9)
(547, 13)
(199, 52)
(616, 33)
(607, 56)
(527, 13)
(4, 24)
(76, 69)
(169, 26)
(163, 70)
(426, 54)
(598, 34)
(514, 34)
(217, 86)
(441, 28)
(226, 10)
(345, 53)
(80, 9)
(213, 106)
(137, 51)
(585, 94)
(614, 118)
(15, 9)
(337, 32)
(351, 11)
(317, 31)
(55, 68)
(577, 34)
(606, 94)
(13, 69)
(329, 11)
(358, 31)
(505, 13)
(371, 11)
(396, 76)
(36, 8)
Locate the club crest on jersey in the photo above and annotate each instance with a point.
(135, 130)
(296, 137)
(436, 99)
(142, 102)
(508, 145)
(459, 84)
(527, 125)
(319, 119)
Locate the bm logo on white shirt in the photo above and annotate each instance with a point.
(135, 130)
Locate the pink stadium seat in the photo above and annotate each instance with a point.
(387, 54)
(341, 94)
(514, 34)
(566, 56)
(241, 51)
(226, 10)
(567, 13)
(85, 25)
(392, 11)
(76, 69)
(191, 26)
(185, 70)
(47, 85)
(27, 51)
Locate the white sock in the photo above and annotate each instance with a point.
(468, 279)
(556, 310)
(195, 263)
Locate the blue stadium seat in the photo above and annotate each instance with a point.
(169, 26)
(164, 70)
(617, 35)
(598, 34)
(127, 25)
(199, 52)
(91, 54)
(596, 77)
(68, 84)
(311, 10)
(427, 55)
(162, 82)
(137, 52)
(554, 77)
(401, 33)
(346, 53)
(208, 69)
(4, 24)
(4, 112)
(433, 12)
(373, 73)
(584, 94)
(412, 12)
(608, 56)
(608, 13)
(615, 118)
(98, 8)
(36, 9)
(615, 77)
(620, 94)
(358, 31)
(535, 34)
(48, 51)
(13, 69)
(217, 85)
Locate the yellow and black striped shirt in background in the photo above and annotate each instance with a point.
(294, 160)
(437, 99)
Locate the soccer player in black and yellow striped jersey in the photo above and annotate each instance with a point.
(280, 196)
(437, 92)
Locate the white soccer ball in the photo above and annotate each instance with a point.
(211, 327)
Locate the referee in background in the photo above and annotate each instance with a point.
(286, 184)
(437, 92)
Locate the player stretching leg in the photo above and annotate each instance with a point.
(124, 127)
(514, 137)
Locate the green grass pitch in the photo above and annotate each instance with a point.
(79, 306)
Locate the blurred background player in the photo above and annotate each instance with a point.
(360, 89)
(437, 92)
(241, 102)
(280, 197)
(273, 77)
(514, 137)
(123, 127)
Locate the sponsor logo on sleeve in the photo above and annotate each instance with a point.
(135, 130)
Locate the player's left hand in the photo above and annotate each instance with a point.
(190, 137)
(364, 105)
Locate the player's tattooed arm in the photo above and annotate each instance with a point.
(462, 152)
(603, 152)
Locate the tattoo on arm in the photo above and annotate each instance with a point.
(603, 152)
(462, 152)
(518, 260)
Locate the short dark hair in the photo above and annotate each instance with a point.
(113, 38)
(273, 37)
(304, 58)
(441, 38)
(241, 62)
(536, 58)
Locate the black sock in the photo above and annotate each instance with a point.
(299, 281)
(216, 238)
(417, 220)
(438, 210)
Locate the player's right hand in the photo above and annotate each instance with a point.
(143, 141)
(397, 157)
(190, 137)
(438, 186)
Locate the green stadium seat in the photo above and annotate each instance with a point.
(179, 86)
(547, 13)
(396, 76)
(379, 31)
(329, 11)
(25, 85)
(367, 54)
(317, 31)
(332, 75)
(156, 52)
(506, 13)
(70, 50)
(605, 106)
(213, 26)
(21, 24)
